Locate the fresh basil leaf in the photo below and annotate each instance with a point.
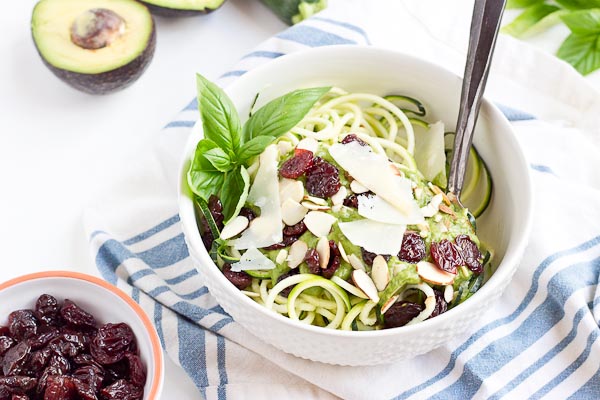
(522, 3)
(582, 52)
(527, 21)
(219, 159)
(583, 22)
(254, 147)
(282, 114)
(220, 120)
(203, 178)
(579, 4)
(234, 192)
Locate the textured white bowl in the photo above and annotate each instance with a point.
(103, 300)
(504, 227)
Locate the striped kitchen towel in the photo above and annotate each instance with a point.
(541, 338)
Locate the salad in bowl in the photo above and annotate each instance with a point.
(329, 207)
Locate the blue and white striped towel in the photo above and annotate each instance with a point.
(540, 340)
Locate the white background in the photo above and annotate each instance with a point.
(60, 148)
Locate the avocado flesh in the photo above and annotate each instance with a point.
(114, 64)
(182, 8)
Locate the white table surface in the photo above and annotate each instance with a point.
(59, 148)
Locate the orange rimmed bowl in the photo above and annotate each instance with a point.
(104, 301)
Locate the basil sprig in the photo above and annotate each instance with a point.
(220, 161)
(581, 48)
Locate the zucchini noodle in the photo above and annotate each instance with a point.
(337, 303)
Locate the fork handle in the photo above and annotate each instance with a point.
(485, 24)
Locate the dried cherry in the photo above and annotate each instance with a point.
(285, 292)
(322, 179)
(441, 306)
(15, 358)
(470, 253)
(22, 324)
(47, 310)
(312, 260)
(334, 260)
(111, 342)
(60, 387)
(446, 256)
(296, 166)
(413, 248)
(287, 241)
(6, 343)
(122, 390)
(351, 201)
(240, 280)
(76, 315)
(17, 384)
(91, 375)
(353, 138)
(295, 230)
(401, 313)
(137, 374)
(248, 213)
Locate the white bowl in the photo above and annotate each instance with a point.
(104, 301)
(505, 226)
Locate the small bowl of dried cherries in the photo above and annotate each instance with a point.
(70, 336)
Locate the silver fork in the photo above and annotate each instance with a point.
(485, 24)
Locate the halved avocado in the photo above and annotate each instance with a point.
(96, 46)
(182, 8)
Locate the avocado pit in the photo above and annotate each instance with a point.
(97, 28)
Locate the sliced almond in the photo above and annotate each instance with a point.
(357, 187)
(447, 210)
(292, 212)
(315, 207)
(395, 170)
(337, 208)
(448, 293)
(309, 144)
(365, 283)
(297, 252)
(439, 191)
(342, 252)
(291, 189)
(324, 252)
(356, 262)
(432, 274)
(380, 273)
(281, 256)
(284, 147)
(234, 227)
(386, 306)
(316, 200)
(433, 207)
(319, 223)
(339, 197)
(418, 193)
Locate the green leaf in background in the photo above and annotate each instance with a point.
(234, 192)
(583, 22)
(579, 4)
(521, 3)
(203, 178)
(282, 114)
(254, 147)
(220, 120)
(528, 23)
(219, 159)
(582, 52)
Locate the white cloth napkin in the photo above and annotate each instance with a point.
(540, 340)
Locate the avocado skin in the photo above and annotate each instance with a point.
(173, 12)
(109, 81)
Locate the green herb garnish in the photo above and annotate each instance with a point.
(581, 48)
(220, 160)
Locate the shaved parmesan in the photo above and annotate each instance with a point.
(252, 259)
(372, 171)
(376, 208)
(319, 223)
(376, 237)
(430, 154)
(264, 193)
